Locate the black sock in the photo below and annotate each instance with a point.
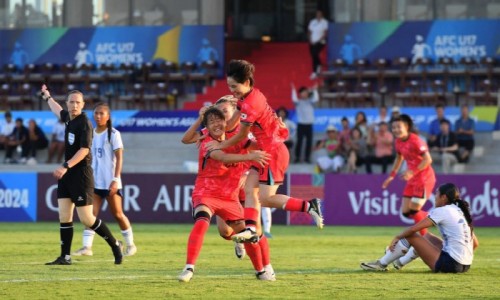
(101, 229)
(66, 232)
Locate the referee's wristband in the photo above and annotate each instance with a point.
(116, 179)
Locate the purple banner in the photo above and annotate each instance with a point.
(147, 198)
(360, 200)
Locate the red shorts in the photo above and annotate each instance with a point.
(420, 187)
(274, 172)
(226, 210)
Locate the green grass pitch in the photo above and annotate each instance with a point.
(309, 264)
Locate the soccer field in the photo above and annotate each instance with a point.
(309, 264)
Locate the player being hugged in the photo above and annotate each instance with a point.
(270, 132)
(216, 190)
(75, 185)
(453, 255)
(107, 161)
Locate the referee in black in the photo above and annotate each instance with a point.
(75, 185)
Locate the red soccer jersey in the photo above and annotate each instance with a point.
(216, 179)
(412, 150)
(265, 124)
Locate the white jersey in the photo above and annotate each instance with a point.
(58, 131)
(104, 159)
(8, 128)
(317, 29)
(457, 235)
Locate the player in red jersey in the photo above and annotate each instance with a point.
(419, 176)
(216, 191)
(227, 104)
(260, 119)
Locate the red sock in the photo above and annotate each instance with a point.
(295, 204)
(264, 248)
(196, 240)
(419, 217)
(251, 216)
(255, 254)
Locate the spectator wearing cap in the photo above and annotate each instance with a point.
(7, 129)
(327, 152)
(304, 103)
(464, 128)
(18, 138)
(383, 144)
(435, 125)
(445, 148)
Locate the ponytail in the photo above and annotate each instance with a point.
(110, 128)
(453, 195)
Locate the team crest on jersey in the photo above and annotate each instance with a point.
(243, 116)
(423, 148)
(71, 138)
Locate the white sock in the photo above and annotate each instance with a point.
(410, 256)
(128, 236)
(188, 266)
(266, 219)
(401, 248)
(88, 238)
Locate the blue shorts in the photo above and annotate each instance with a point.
(446, 264)
(105, 193)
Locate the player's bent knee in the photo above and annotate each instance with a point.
(202, 215)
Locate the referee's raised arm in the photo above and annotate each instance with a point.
(54, 106)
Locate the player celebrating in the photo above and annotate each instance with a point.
(453, 255)
(107, 159)
(419, 176)
(258, 117)
(216, 191)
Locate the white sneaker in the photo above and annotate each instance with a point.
(32, 161)
(84, 251)
(186, 275)
(373, 266)
(264, 275)
(315, 212)
(397, 264)
(246, 236)
(130, 250)
(269, 269)
(239, 250)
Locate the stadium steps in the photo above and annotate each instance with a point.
(277, 66)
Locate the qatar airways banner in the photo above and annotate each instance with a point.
(415, 39)
(147, 198)
(360, 199)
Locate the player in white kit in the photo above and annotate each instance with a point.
(107, 159)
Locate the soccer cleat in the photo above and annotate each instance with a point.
(315, 212)
(239, 250)
(186, 275)
(269, 269)
(60, 261)
(117, 252)
(397, 264)
(373, 266)
(130, 250)
(84, 251)
(264, 275)
(246, 236)
(268, 234)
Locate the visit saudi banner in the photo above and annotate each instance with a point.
(115, 45)
(414, 39)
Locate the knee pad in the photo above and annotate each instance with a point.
(202, 215)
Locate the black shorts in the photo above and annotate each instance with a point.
(78, 185)
(446, 264)
(105, 193)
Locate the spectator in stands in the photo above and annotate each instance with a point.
(435, 125)
(317, 33)
(345, 137)
(362, 123)
(36, 141)
(7, 129)
(327, 152)
(445, 148)
(358, 150)
(395, 113)
(57, 142)
(18, 138)
(207, 52)
(383, 143)
(464, 129)
(304, 103)
(282, 112)
(382, 116)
